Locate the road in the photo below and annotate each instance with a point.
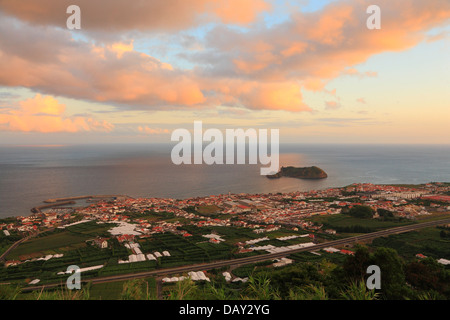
(13, 246)
(254, 259)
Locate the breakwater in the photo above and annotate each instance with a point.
(58, 204)
(51, 203)
(57, 200)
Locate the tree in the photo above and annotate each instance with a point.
(359, 291)
(309, 292)
(355, 266)
(260, 288)
(361, 211)
(428, 275)
(132, 290)
(385, 214)
(298, 275)
(393, 285)
(184, 290)
(444, 234)
(63, 294)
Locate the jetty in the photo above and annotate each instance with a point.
(58, 202)
(86, 197)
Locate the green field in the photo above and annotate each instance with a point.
(208, 209)
(71, 242)
(433, 216)
(114, 290)
(248, 269)
(183, 250)
(72, 238)
(425, 241)
(91, 228)
(310, 257)
(51, 244)
(342, 221)
(8, 241)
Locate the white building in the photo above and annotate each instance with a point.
(151, 257)
(282, 262)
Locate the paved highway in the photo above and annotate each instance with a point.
(254, 259)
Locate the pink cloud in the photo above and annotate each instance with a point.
(153, 131)
(264, 68)
(361, 100)
(332, 105)
(45, 114)
(322, 45)
(119, 15)
(355, 72)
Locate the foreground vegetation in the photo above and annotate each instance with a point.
(315, 275)
(73, 242)
(318, 280)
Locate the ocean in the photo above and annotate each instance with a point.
(32, 174)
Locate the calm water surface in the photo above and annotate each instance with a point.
(29, 175)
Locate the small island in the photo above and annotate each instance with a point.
(300, 173)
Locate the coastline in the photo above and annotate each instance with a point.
(57, 202)
(27, 176)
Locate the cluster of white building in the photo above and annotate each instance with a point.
(289, 237)
(256, 240)
(138, 256)
(155, 255)
(47, 257)
(444, 261)
(214, 237)
(193, 275)
(229, 278)
(331, 250)
(398, 195)
(272, 249)
(282, 262)
(82, 270)
(74, 224)
(124, 228)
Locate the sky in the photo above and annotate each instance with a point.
(137, 70)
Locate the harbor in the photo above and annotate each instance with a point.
(70, 201)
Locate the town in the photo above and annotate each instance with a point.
(123, 234)
(261, 212)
